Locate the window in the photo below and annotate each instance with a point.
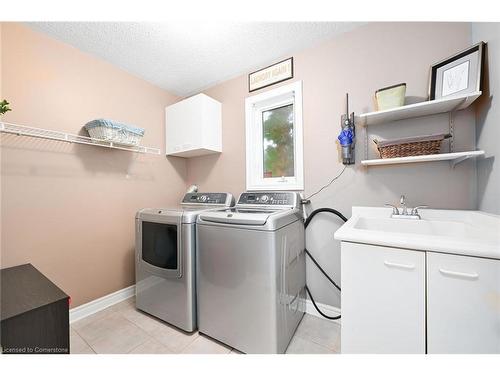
(274, 139)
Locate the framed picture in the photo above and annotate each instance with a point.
(279, 72)
(457, 75)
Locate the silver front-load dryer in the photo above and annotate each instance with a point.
(251, 272)
(165, 258)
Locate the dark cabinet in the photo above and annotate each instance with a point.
(34, 313)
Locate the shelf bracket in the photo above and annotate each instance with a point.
(366, 141)
(451, 129)
(459, 160)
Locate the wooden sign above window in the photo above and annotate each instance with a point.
(271, 75)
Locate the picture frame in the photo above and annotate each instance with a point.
(457, 75)
(271, 75)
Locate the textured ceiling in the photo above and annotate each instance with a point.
(186, 58)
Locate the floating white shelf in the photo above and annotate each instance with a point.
(454, 158)
(28, 131)
(431, 107)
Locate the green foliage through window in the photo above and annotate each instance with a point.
(278, 142)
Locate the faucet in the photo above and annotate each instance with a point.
(402, 202)
(402, 212)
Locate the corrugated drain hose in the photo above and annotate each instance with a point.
(306, 224)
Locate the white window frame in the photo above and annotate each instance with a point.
(254, 106)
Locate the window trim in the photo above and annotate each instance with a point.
(254, 106)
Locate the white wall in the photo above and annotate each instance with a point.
(488, 120)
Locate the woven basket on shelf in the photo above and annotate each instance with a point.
(113, 131)
(413, 146)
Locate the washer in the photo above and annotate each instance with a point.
(251, 272)
(165, 258)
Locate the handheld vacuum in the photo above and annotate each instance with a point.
(347, 135)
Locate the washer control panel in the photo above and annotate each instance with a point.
(208, 198)
(273, 198)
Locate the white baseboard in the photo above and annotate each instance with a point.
(327, 309)
(111, 299)
(99, 304)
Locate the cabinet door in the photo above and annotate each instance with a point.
(383, 299)
(183, 120)
(463, 313)
(194, 127)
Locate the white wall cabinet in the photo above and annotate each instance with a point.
(406, 301)
(193, 127)
(463, 304)
(383, 299)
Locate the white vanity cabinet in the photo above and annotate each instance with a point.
(463, 304)
(383, 299)
(194, 127)
(415, 284)
(413, 301)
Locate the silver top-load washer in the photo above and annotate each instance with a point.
(165, 258)
(251, 272)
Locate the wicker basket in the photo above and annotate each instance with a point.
(412, 146)
(112, 131)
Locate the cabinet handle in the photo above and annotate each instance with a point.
(399, 265)
(464, 275)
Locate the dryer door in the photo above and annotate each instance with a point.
(159, 244)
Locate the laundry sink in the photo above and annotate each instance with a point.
(424, 227)
(451, 231)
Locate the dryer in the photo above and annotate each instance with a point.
(165, 253)
(251, 272)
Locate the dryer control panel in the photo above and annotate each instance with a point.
(208, 198)
(273, 198)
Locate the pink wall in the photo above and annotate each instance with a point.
(69, 209)
(359, 62)
(1, 61)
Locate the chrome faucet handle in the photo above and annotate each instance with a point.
(395, 210)
(414, 211)
(402, 201)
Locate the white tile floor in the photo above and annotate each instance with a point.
(122, 329)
